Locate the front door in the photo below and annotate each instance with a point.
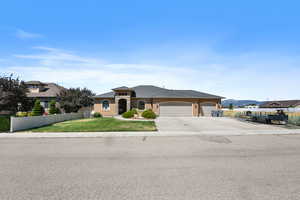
(122, 106)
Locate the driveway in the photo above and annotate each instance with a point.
(198, 124)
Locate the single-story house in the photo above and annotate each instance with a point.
(164, 102)
(281, 104)
(45, 92)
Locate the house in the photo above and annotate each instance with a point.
(45, 92)
(281, 104)
(164, 102)
(251, 106)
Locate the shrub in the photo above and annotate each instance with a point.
(29, 114)
(37, 109)
(135, 112)
(53, 109)
(4, 123)
(149, 114)
(128, 114)
(58, 111)
(97, 115)
(21, 114)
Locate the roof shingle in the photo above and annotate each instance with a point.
(150, 91)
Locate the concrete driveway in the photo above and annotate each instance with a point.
(198, 124)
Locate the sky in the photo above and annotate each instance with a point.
(236, 49)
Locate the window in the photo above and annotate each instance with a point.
(105, 105)
(141, 105)
(122, 94)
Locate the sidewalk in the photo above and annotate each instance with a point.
(145, 134)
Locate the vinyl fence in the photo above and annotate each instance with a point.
(23, 123)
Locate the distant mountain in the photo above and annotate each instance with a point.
(239, 103)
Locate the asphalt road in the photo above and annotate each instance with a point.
(138, 168)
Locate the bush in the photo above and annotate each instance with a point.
(4, 123)
(21, 114)
(97, 115)
(58, 111)
(29, 114)
(37, 109)
(128, 114)
(149, 114)
(53, 109)
(135, 112)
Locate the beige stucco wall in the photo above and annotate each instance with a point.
(196, 104)
(98, 107)
(154, 104)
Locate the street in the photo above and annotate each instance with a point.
(136, 168)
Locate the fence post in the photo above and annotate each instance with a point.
(11, 124)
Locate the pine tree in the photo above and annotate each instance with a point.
(53, 109)
(231, 106)
(37, 109)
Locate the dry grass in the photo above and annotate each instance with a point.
(294, 117)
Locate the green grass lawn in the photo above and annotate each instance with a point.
(98, 125)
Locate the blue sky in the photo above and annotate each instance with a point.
(237, 49)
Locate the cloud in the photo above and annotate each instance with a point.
(21, 34)
(245, 76)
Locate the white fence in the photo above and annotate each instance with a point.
(23, 123)
(265, 109)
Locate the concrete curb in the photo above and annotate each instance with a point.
(147, 134)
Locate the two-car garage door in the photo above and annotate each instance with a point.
(176, 109)
(184, 109)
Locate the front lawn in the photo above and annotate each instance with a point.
(98, 125)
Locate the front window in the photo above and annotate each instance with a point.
(141, 105)
(105, 105)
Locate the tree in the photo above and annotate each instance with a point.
(37, 109)
(71, 100)
(13, 95)
(231, 106)
(53, 109)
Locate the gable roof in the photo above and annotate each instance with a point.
(34, 83)
(50, 90)
(122, 88)
(280, 104)
(150, 91)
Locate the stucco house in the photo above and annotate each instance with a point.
(45, 92)
(164, 102)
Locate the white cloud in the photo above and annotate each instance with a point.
(27, 35)
(248, 76)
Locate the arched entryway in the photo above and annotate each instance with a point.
(122, 106)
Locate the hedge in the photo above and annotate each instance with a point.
(4, 123)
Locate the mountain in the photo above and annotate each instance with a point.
(239, 103)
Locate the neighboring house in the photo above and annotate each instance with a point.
(251, 107)
(45, 92)
(163, 102)
(281, 104)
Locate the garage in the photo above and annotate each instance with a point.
(176, 109)
(207, 108)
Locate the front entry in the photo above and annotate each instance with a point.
(122, 106)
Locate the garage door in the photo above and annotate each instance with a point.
(207, 108)
(176, 109)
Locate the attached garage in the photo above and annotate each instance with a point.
(175, 109)
(207, 108)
